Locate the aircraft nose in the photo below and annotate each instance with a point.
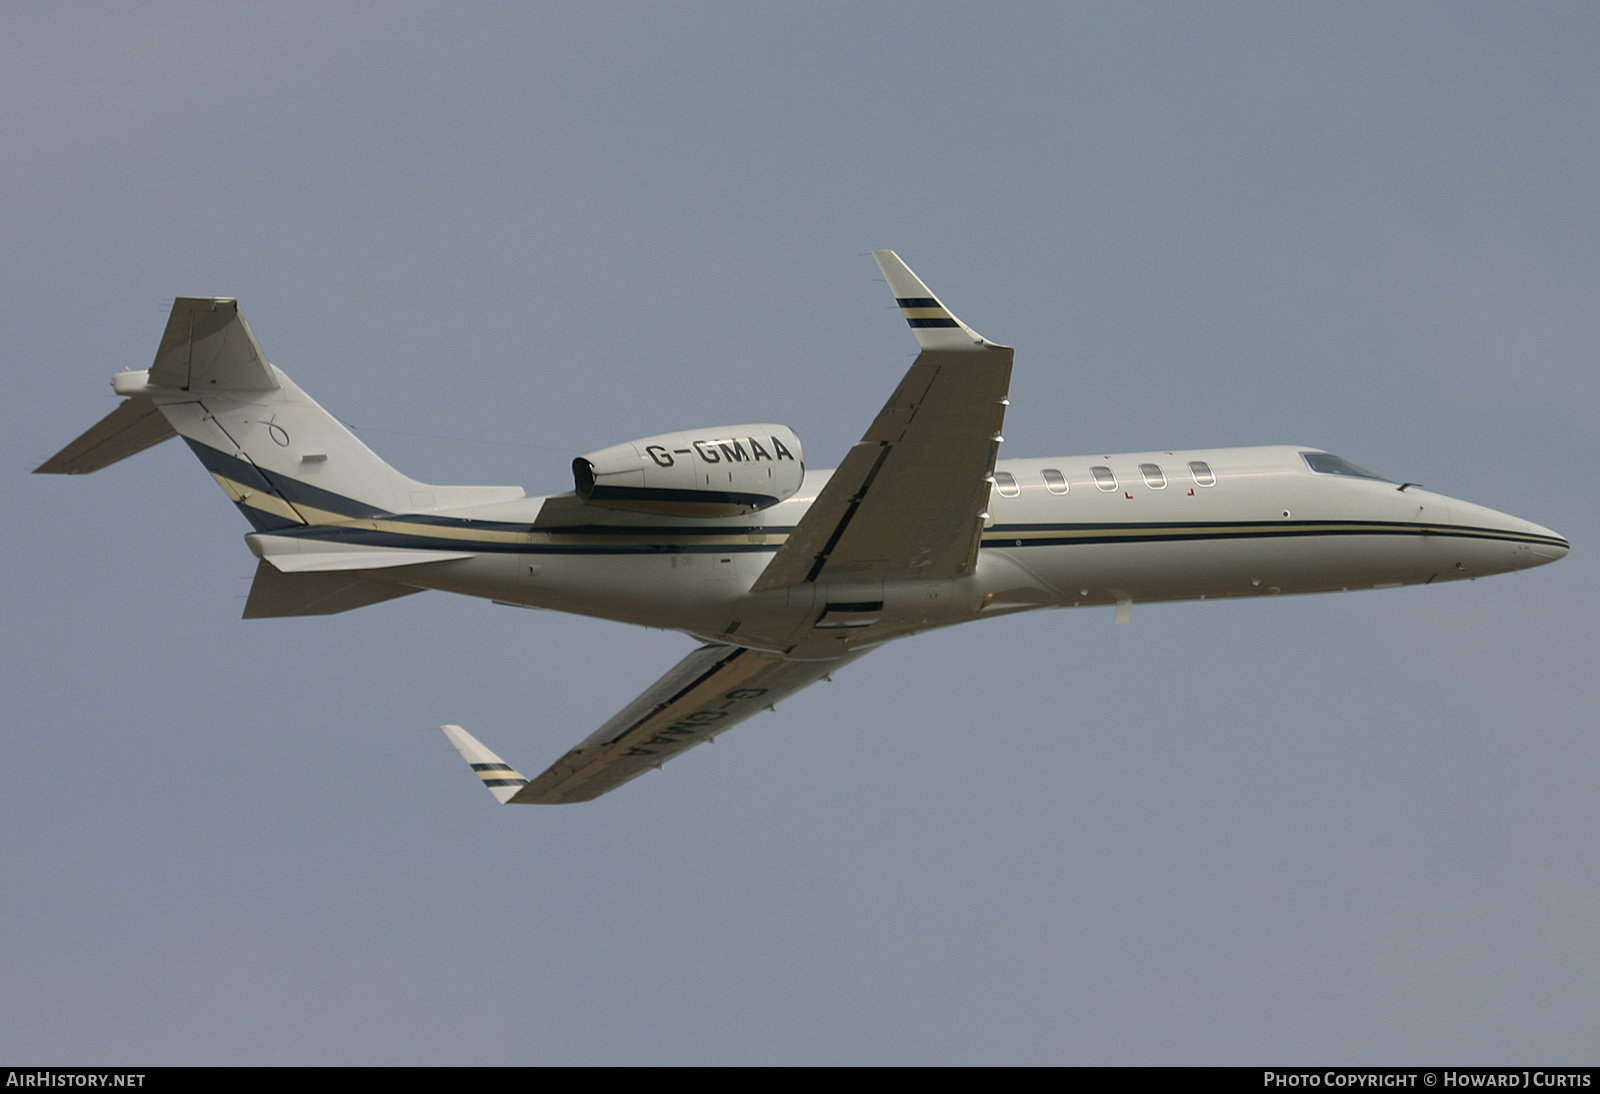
(1488, 534)
(1549, 547)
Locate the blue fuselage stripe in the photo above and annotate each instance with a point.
(583, 540)
(608, 539)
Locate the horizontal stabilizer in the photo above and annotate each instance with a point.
(296, 555)
(373, 558)
(275, 594)
(131, 428)
(499, 777)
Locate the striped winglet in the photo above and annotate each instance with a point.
(501, 779)
(929, 320)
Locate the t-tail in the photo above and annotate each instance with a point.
(289, 465)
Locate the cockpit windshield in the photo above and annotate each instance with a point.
(1326, 463)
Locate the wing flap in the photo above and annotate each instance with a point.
(712, 689)
(908, 501)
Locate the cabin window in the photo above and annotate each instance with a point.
(1054, 481)
(1326, 463)
(1006, 483)
(1153, 476)
(1201, 470)
(1103, 478)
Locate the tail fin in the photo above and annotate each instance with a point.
(279, 456)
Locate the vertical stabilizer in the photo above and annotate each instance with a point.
(279, 456)
(208, 346)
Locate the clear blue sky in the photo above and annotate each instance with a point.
(1356, 828)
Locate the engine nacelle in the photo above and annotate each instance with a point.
(719, 472)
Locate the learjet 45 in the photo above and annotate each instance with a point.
(783, 573)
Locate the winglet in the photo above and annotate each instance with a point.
(932, 322)
(499, 777)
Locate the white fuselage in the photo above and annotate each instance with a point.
(784, 574)
(1261, 522)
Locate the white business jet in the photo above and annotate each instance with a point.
(783, 574)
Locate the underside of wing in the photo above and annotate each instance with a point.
(908, 501)
(715, 687)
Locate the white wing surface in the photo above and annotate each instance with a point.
(909, 501)
(712, 689)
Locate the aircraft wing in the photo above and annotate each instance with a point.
(712, 689)
(909, 500)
